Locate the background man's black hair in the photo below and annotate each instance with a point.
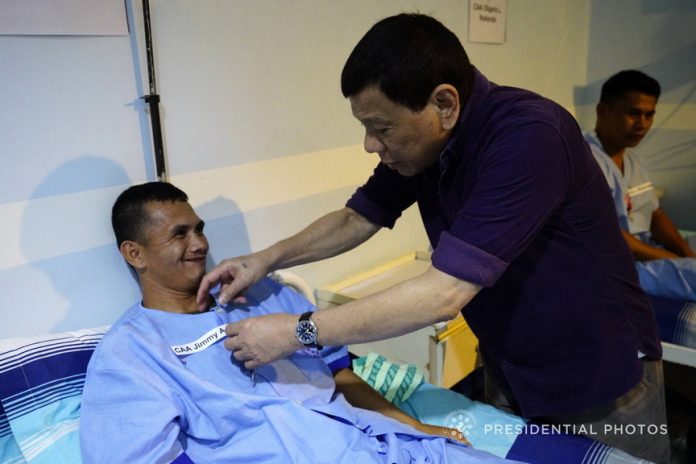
(623, 82)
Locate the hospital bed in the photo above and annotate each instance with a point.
(41, 381)
(676, 320)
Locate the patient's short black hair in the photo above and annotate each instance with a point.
(623, 82)
(129, 216)
(406, 56)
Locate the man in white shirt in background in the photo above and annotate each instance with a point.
(665, 260)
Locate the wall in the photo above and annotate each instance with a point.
(256, 132)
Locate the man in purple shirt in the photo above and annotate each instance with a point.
(524, 236)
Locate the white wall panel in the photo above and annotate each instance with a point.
(255, 127)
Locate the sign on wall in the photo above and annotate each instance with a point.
(63, 17)
(487, 20)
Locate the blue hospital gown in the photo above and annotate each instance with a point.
(632, 191)
(635, 201)
(145, 403)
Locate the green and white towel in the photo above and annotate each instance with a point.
(396, 382)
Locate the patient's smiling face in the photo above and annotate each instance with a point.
(174, 249)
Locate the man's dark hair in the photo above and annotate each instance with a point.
(623, 82)
(407, 56)
(129, 216)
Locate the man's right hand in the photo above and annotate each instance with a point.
(235, 275)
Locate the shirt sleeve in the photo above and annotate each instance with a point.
(126, 417)
(383, 198)
(521, 179)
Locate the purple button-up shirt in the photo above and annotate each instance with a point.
(518, 205)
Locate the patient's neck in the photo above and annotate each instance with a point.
(171, 300)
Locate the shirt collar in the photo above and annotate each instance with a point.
(480, 88)
(593, 139)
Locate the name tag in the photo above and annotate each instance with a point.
(638, 189)
(206, 340)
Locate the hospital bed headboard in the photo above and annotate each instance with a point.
(295, 282)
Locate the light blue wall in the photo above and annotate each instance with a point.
(256, 132)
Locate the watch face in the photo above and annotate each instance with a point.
(306, 332)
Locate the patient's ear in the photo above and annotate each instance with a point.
(132, 252)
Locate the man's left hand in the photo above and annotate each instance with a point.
(261, 340)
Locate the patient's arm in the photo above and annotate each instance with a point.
(360, 394)
(645, 252)
(665, 232)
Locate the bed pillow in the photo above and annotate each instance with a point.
(9, 449)
(41, 381)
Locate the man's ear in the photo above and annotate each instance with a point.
(132, 252)
(445, 98)
(602, 109)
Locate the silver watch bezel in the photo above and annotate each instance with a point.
(306, 331)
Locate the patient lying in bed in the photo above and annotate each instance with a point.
(161, 387)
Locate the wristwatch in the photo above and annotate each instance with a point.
(307, 332)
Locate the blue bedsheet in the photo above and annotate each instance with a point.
(506, 435)
(487, 428)
(676, 320)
